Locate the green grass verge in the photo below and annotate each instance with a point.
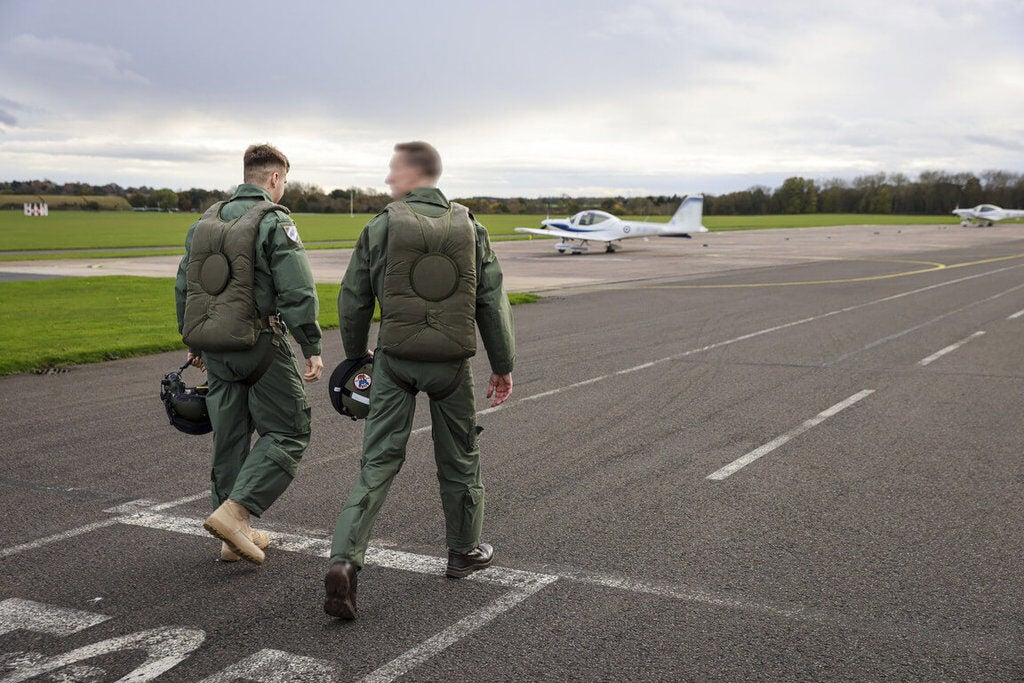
(818, 220)
(112, 229)
(68, 255)
(107, 230)
(69, 321)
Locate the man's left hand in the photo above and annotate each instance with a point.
(314, 368)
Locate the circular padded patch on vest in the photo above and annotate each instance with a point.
(434, 276)
(214, 274)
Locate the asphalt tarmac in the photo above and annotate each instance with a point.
(805, 465)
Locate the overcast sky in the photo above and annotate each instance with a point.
(522, 98)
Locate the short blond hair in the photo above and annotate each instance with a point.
(259, 161)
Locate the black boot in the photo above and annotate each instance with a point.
(340, 583)
(464, 564)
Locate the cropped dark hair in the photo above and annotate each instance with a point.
(423, 156)
(260, 161)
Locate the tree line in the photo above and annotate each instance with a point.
(932, 192)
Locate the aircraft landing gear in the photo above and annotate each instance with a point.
(563, 247)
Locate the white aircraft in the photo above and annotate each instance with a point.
(600, 226)
(985, 214)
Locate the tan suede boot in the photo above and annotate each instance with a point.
(260, 538)
(230, 523)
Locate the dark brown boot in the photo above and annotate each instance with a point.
(464, 564)
(340, 583)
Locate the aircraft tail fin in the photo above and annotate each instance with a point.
(688, 216)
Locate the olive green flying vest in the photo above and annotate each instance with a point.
(428, 308)
(220, 304)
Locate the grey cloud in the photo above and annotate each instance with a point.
(124, 150)
(658, 84)
(997, 142)
(63, 59)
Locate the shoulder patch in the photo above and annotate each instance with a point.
(291, 231)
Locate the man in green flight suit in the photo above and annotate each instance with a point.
(430, 265)
(244, 276)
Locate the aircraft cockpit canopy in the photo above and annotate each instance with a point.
(591, 217)
(985, 208)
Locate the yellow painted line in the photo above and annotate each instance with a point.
(984, 261)
(932, 266)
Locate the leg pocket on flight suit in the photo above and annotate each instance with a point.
(473, 438)
(302, 416)
(471, 503)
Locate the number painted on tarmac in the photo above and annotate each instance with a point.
(165, 647)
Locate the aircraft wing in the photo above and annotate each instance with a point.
(566, 235)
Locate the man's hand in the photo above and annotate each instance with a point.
(314, 368)
(196, 361)
(500, 387)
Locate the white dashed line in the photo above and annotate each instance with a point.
(758, 333)
(1015, 315)
(740, 463)
(897, 335)
(949, 349)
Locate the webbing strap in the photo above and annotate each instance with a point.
(450, 389)
(264, 364)
(402, 384)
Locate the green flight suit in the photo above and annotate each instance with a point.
(275, 406)
(453, 418)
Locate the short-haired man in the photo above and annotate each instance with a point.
(244, 276)
(430, 265)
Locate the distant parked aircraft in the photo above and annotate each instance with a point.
(985, 214)
(600, 226)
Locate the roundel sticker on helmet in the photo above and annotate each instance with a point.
(214, 273)
(434, 276)
(362, 381)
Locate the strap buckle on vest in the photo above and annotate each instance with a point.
(274, 323)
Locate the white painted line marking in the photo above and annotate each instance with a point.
(181, 501)
(1016, 315)
(276, 666)
(39, 617)
(740, 463)
(412, 658)
(321, 547)
(64, 535)
(949, 349)
(434, 566)
(686, 594)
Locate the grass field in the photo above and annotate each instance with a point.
(53, 323)
(117, 229)
(107, 230)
